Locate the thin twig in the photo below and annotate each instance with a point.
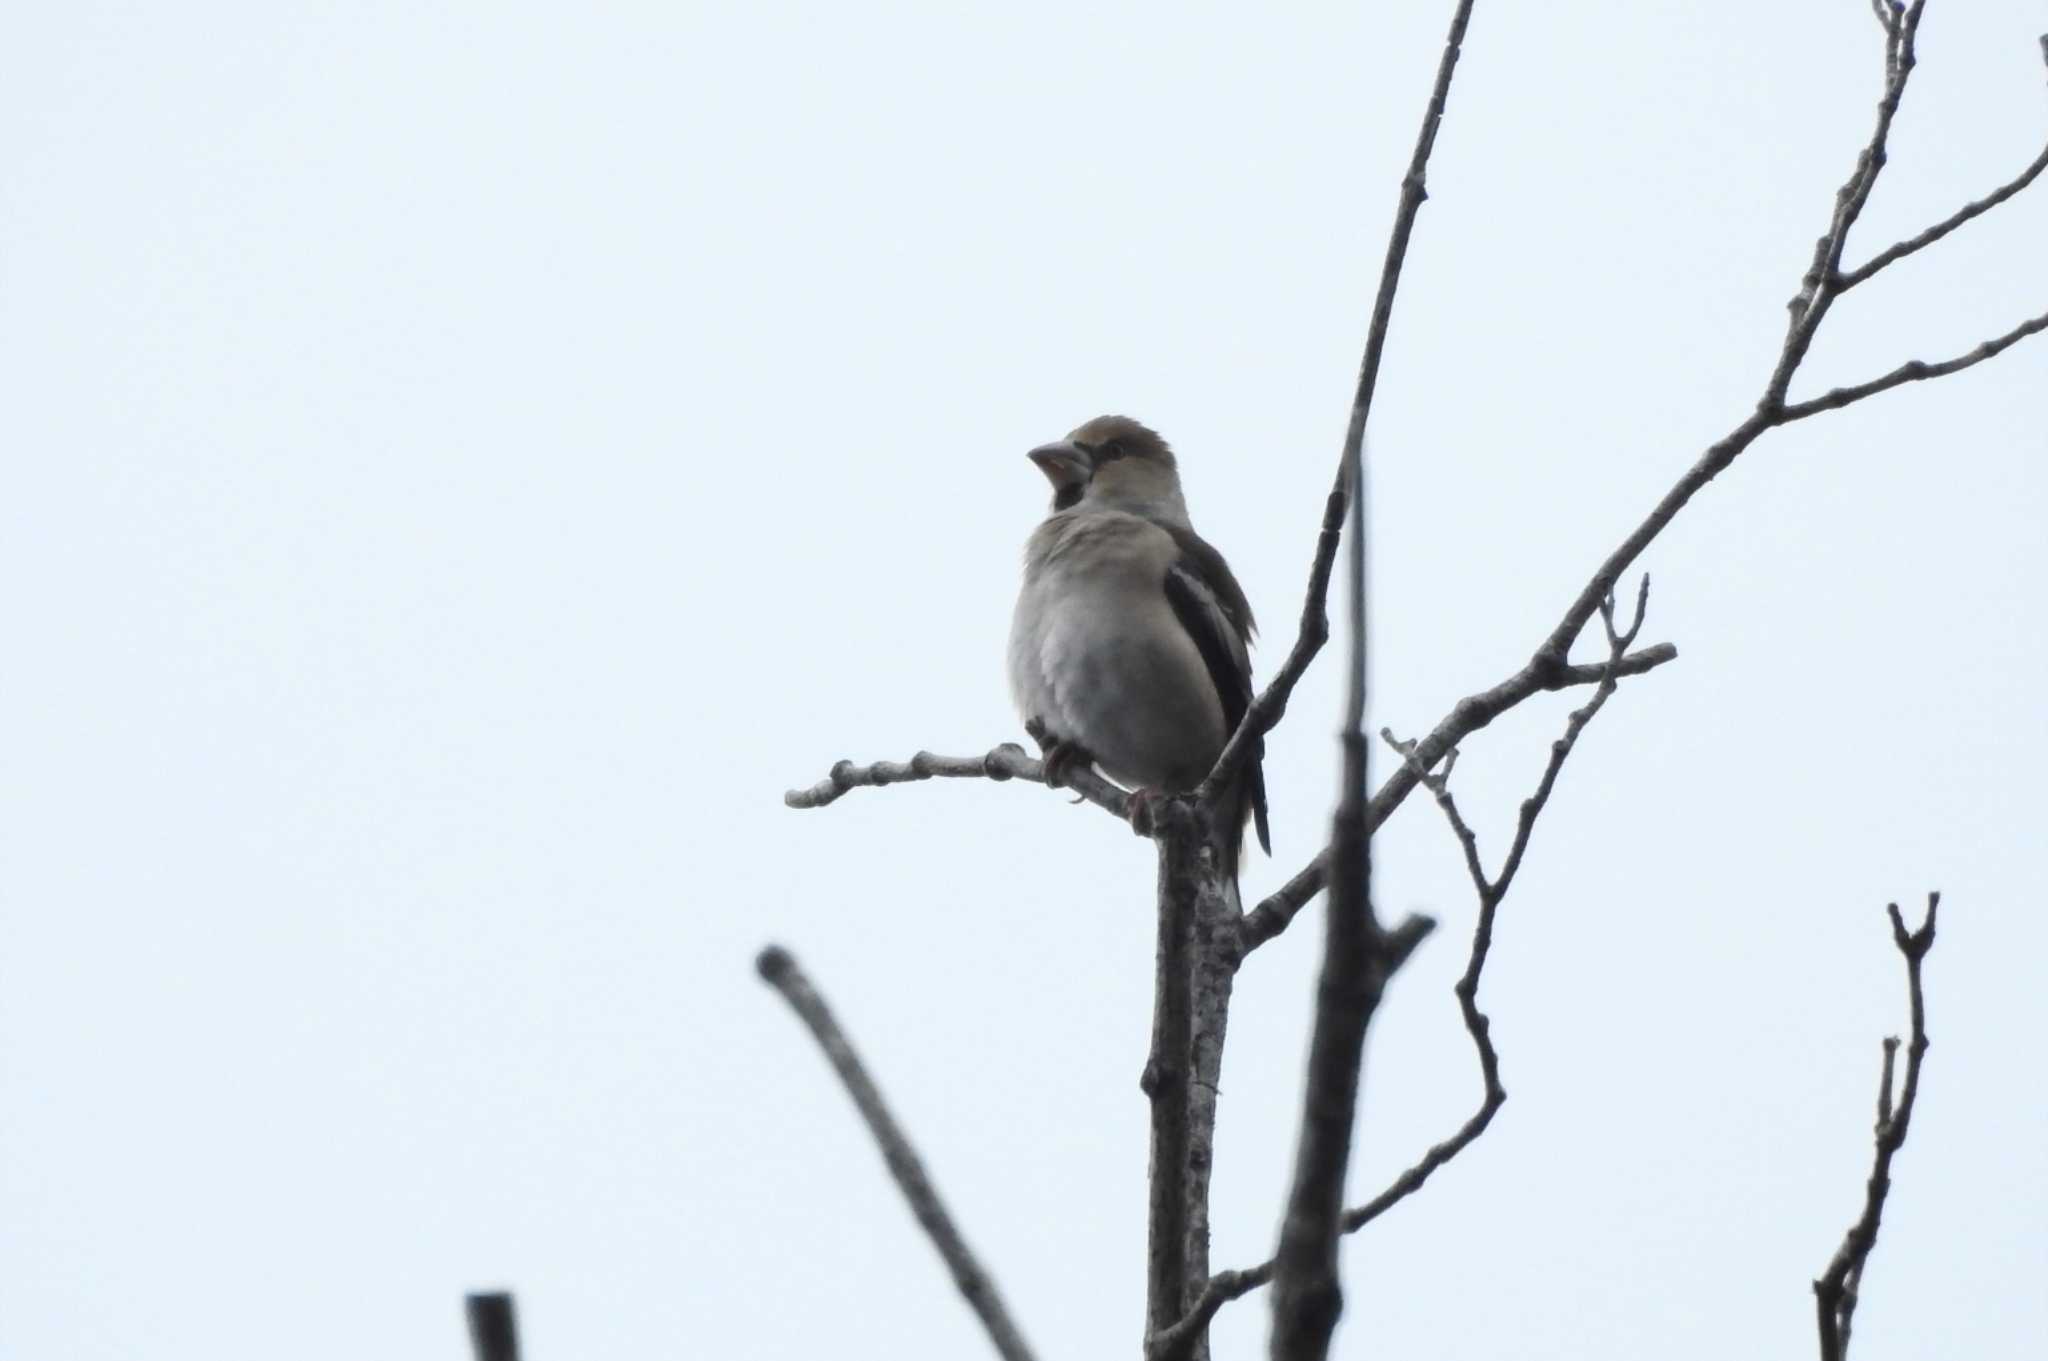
(1271, 704)
(1976, 208)
(1835, 1293)
(1913, 371)
(1491, 892)
(1277, 911)
(1005, 762)
(1822, 281)
(493, 1329)
(780, 969)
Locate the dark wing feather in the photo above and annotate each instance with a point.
(1212, 571)
(1210, 605)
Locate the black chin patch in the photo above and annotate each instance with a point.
(1067, 497)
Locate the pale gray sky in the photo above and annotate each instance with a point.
(465, 461)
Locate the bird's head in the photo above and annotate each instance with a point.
(1113, 463)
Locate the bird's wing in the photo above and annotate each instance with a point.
(1208, 566)
(1211, 606)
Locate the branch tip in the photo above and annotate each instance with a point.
(1836, 1292)
(774, 964)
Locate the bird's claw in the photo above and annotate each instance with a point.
(1057, 754)
(1062, 757)
(1142, 809)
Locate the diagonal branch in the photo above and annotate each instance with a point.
(1491, 892)
(1226, 1286)
(1976, 208)
(1005, 762)
(1275, 913)
(1913, 371)
(1270, 706)
(1822, 283)
(1267, 709)
(1808, 309)
(1835, 1292)
(779, 968)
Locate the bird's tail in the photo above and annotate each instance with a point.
(1244, 811)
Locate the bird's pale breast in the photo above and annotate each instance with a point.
(1097, 653)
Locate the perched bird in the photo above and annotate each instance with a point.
(1129, 648)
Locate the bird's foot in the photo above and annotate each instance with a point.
(1142, 808)
(1060, 755)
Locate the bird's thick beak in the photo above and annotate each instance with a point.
(1063, 464)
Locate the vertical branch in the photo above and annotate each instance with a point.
(1306, 1296)
(1166, 1078)
(1216, 955)
(493, 1331)
(1358, 959)
(1835, 1293)
(1198, 954)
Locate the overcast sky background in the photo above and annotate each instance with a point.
(464, 461)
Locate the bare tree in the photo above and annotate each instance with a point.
(1204, 938)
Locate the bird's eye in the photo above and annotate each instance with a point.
(1111, 451)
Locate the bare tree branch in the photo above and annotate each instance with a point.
(1267, 709)
(1359, 957)
(1819, 287)
(493, 1330)
(1271, 704)
(1913, 371)
(1226, 1286)
(1976, 208)
(1196, 963)
(780, 969)
(1165, 1304)
(1822, 282)
(1005, 762)
(1306, 1295)
(1491, 892)
(1808, 309)
(1835, 1293)
(1165, 1082)
(1276, 912)
(1197, 956)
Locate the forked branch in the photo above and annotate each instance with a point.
(1823, 282)
(1226, 1286)
(1835, 1293)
